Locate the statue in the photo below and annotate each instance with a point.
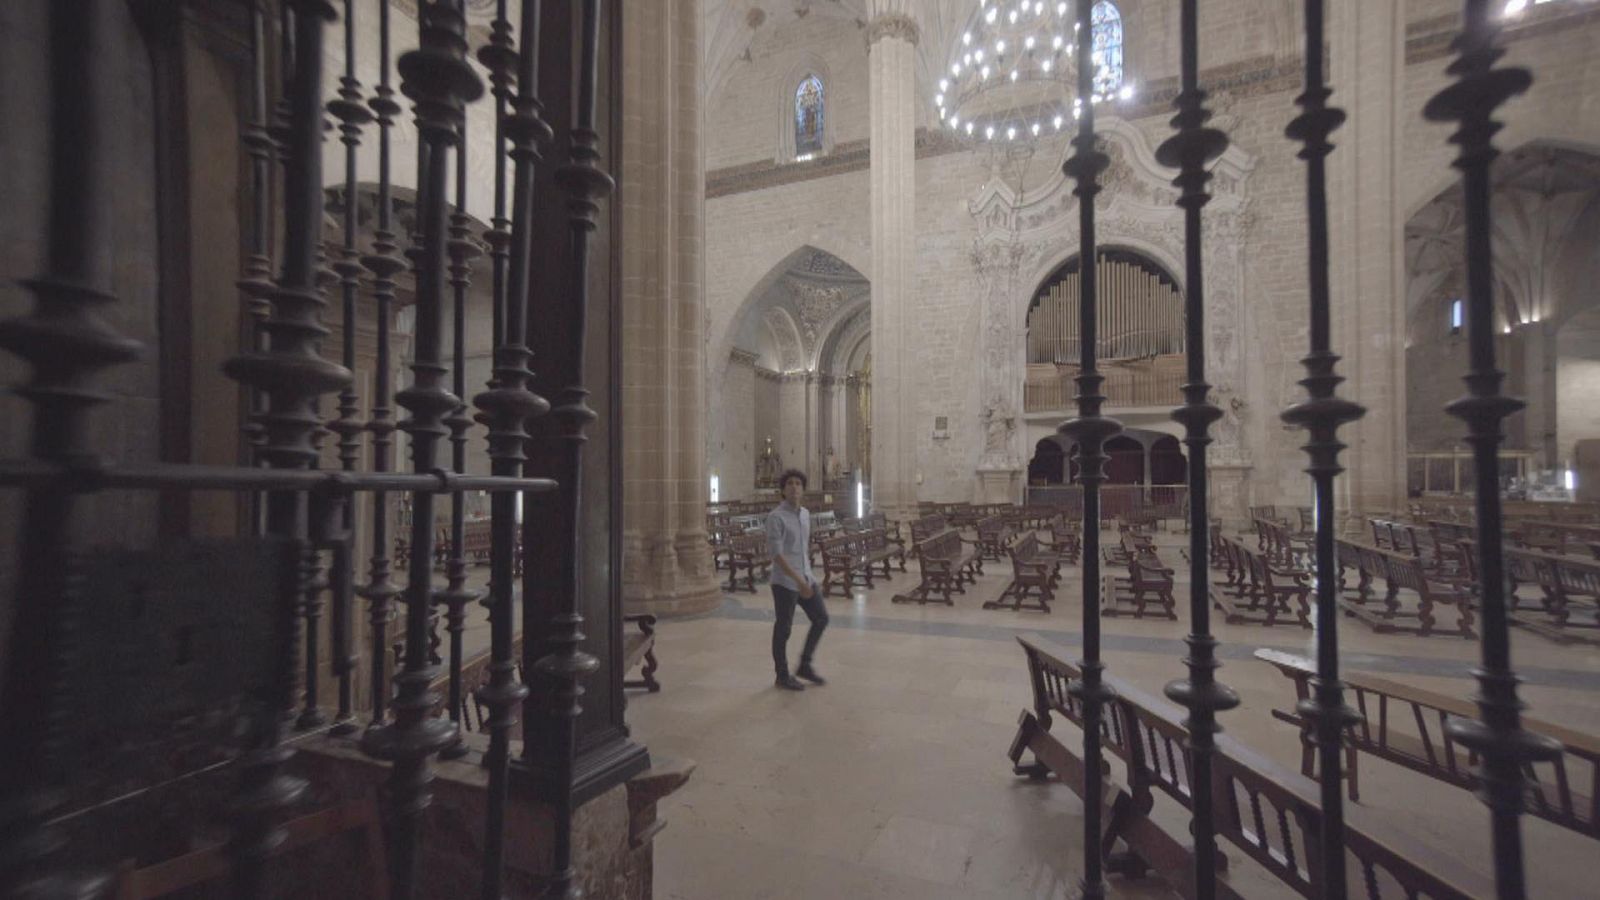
(999, 423)
(767, 465)
(830, 466)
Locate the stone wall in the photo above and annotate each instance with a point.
(759, 213)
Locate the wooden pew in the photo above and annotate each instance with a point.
(1402, 571)
(748, 553)
(1558, 788)
(851, 560)
(1264, 811)
(1257, 591)
(945, 567)
(1148, 583)
(1033, 575)
(1065, 542)
(994, 533)
(1567, 583)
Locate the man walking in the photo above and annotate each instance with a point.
(789, 543)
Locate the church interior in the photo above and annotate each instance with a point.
(1195, 406)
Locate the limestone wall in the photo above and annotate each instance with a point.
(759, 213)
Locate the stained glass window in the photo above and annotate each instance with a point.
(808, 121)
(1107, 23)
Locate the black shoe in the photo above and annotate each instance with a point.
(789, 682)
(810, 675)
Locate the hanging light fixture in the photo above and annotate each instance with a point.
(1026, 43)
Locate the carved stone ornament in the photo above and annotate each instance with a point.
(894, 25)
(816, 304)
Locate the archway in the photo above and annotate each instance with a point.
(1167, 462)
(1547, 204)
(794, 375)
(1049, 463)
(1124, 461)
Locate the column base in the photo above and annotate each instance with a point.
(669, 578)
(999, 485)
(1226, 495)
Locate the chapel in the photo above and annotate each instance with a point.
(799, 449)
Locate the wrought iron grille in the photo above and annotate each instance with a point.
(299, 557)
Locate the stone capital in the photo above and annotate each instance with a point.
(893, 25)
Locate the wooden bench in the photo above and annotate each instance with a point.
(994, 534)
(1257, 591)
(1066, 542)
(747, 553)
(945, 567)
(1567, 583)
(1148, 582)
(1557, 793)
(820, 536)
(1266, 812)
(851, 560)
(1401, 571)
(1284, 547)
(1033, 576)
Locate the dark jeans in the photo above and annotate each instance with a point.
(783, 601)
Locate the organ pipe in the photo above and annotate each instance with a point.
(1141, 313)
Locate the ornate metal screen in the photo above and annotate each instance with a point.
(192, 659)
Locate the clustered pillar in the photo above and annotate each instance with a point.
(891, 60)
(666, 559)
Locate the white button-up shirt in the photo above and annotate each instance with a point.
(789, 537)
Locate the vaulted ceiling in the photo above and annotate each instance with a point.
(1542, 195)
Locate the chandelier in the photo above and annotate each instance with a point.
(1012, 76)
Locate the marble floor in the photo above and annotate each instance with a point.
(892, 781)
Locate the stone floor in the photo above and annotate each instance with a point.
(892, 781)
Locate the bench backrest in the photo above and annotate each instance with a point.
(1268, 812)
(942, 547)
(1557, 797)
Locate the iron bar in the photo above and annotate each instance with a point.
(1507, 752)
(585, 183)
(384, 263)
(293, 375)
(1091, 430)
(255, 281)
(509, 404)
(438, 78)
(66, 343)
(1321, 414)
(1191, 150)
(456, 596)
(499, 56)
(352, 115)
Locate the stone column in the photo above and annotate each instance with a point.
(1367, 236)
(891, 61)
(666, 560)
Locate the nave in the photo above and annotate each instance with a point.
(892, 780)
